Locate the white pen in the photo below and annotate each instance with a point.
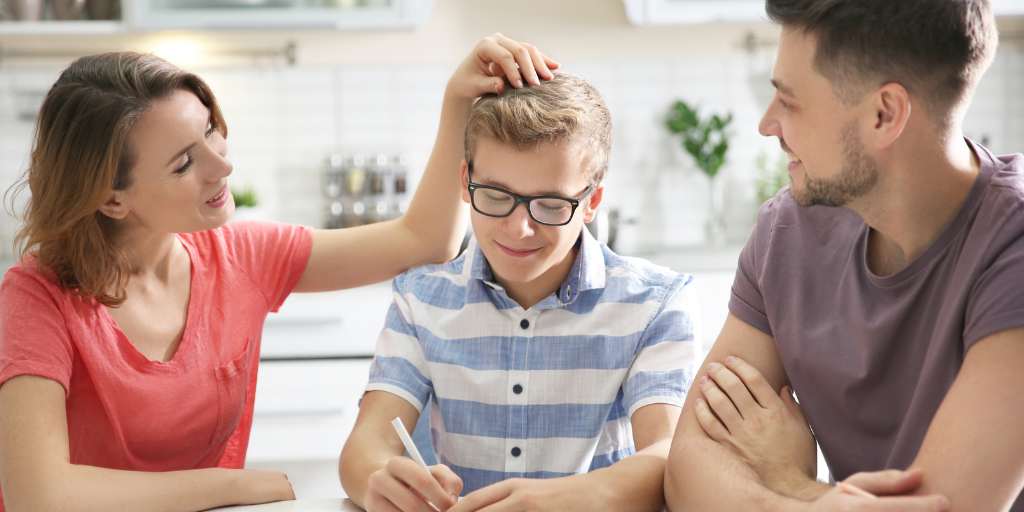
(407, 441)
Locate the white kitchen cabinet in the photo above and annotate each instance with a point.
(669, 12)
(666, 12)
(261, 14)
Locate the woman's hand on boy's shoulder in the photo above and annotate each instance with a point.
(495, 61)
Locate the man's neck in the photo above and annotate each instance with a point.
(530, 293)
(921, 191)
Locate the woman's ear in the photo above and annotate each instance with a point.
(116, 206)
(590, 207)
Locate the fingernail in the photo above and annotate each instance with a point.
(714, 367)
(519, 83)
(705, 380)
(731, 359)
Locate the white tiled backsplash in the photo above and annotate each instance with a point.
(283, 121)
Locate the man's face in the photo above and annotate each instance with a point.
(519, 249)
(821, 135)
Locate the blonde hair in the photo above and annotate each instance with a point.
(80, 153)
(563, 108)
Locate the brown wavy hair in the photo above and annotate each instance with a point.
(80, 155)
(563, 108)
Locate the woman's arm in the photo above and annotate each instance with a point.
(432, 229)
(36, 472)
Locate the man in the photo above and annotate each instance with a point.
(552, 369)
(884, 286)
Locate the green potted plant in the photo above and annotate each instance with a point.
(246, 204)
(706, 140)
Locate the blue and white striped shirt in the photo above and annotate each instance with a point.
(544, 392)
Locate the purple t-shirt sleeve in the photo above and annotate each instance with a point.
(996, 302)
(747, 302)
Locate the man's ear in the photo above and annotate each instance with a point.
(590, 207)
(464, 178)
(892, 109)
(116, 206)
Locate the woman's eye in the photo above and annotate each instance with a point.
(184, 166)
(210, 128)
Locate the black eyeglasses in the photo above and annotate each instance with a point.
(549, 210)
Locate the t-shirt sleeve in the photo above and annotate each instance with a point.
(747, 302)
(34, 339)
(667, 357)
(399, 365)
(274, 255)
(996, 302)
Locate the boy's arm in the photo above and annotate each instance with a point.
(375, 473)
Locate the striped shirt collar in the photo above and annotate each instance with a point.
(587, 272)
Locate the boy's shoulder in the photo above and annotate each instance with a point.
(630, 276)
(442, 285)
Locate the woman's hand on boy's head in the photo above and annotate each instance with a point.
(495, 61)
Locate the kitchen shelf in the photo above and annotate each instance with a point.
(49, 28)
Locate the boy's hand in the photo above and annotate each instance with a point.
(496, 60)
(522, 494)
(406, 486)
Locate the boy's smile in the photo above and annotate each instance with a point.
(528, 258)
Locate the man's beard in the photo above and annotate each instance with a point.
(857, 177)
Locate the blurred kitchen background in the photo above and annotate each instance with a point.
(332, 107)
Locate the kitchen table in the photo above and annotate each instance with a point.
(331, 505)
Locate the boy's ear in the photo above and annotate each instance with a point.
(590, 208)
(464, 178)
(116, 206)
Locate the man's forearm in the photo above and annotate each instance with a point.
(703, 475)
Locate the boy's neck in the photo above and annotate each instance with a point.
(530, 293)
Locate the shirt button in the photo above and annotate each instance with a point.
(524, 323)
(516, 451)
(517, 389)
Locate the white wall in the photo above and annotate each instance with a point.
(380, 91)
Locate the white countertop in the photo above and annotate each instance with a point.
(333, 505)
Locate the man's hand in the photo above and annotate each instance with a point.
(403, 485)
(880, 491)
(739, 409)
(495, 61)
(523, 495)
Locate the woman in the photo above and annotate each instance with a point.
(129, 331)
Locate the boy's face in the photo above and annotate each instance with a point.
(821, 135)
(519, 249)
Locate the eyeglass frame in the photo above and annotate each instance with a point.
(521, 199)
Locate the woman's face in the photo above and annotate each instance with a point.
(179, 181)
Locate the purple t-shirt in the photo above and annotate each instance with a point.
(871, 357)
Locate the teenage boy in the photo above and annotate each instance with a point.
(553, 369)
(884, 287)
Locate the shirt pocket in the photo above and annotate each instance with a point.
(232, 380)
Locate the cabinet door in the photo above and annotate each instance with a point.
(241, 14)
(305, 409)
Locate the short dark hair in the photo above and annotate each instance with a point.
(937, 49)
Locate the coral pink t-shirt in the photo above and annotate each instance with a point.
(125, 411)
